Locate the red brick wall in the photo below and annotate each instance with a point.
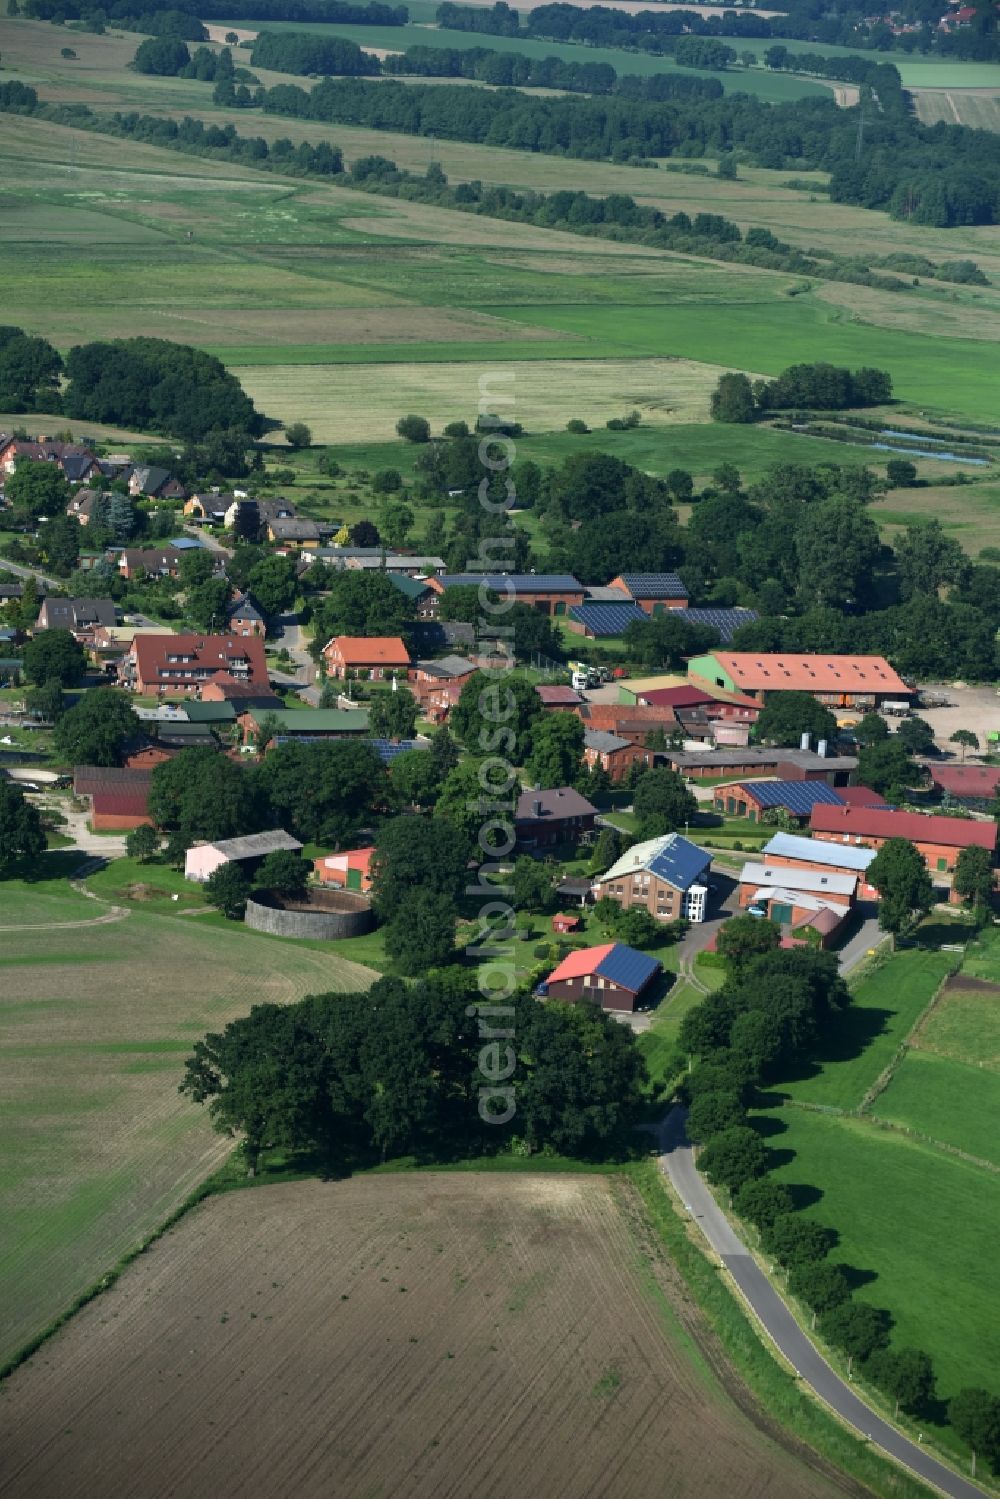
(611, 997)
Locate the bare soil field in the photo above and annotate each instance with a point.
(97, 1147)
(433, 1335)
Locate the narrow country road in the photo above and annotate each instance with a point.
(677, 1162)
(29, 572)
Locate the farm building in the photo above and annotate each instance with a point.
(726, 621)
(550, 593)
(202, 860)
(613, 976)
(965, 783)
(597, 620)
(757, 880)
(553, 695)
(667, 876)
(546, 817)
(374, 657)
(754, 760)
(120, 811)
(939, 840)
(161, 664)
(753, 799)
(302, 723)
(653, 592)
(350, 870)
(790, 852)
(861, 682)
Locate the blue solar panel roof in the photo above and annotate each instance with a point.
(680, 863)
(386, 750)
(654, 585)
(515, 582)
(624, 965)
(797, 796)
(606, 619)
(726, 621)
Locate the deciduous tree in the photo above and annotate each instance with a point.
(392, 715)
(786, 716)
(733, 1157)
(421, 932)
(228, 889)
(21, 832)
(97, 730)
(142, 843)
(54, 656)
(556, 753)
(899, 874)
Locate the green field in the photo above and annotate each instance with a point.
(954, 1102)
(96, 1146)
(887, 1005)
(916, 1218)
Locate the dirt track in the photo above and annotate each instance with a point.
(441, 1335)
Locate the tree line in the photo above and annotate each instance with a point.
(770, 1014)
(517, 70)
(183, 18)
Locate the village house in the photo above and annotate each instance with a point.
(243, 695)
(613, 753)
(82, 617)
(293, 534)
(666, 876)
(938, 840)
(550, 593)
(791, 853)
(162, 665)
(419, 591)
(374, 657)
(77, 462)
(614, 976)
(350, 870)
(150, 562)
(857, 682)
(653, 592)
(543, 818)
(204, 859)
(244, 616)
(82, 506)
(155, 483)
(208, 509)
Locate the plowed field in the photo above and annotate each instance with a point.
(439, 1335)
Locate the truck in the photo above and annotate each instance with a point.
(583, 676)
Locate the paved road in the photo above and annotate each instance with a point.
(867, 936)
(677, 1162)
(29, 572)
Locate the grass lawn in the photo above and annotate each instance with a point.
(950, 1101)
(887, 1004)
(963, 1025)
(917, 1220)
(982, 960)
(153, 886)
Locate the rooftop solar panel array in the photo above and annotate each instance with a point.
(726, 621)
(605, 620)
(654, 585)
(680, 863)
(624, 965)
(797, 796)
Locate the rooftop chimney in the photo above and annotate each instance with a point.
(804, 741)
(536, 808)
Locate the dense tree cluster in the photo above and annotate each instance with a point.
(404, 1070)
(308, 52)
(822, 386)
(158, 386)
(29, 372)
(518, 70)
(183, 18)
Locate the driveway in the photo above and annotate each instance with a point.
(677, 1163)
(96, 845)
(865, 938)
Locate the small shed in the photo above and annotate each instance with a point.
(564, 922)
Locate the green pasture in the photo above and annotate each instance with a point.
(965, 1026)
(772, 87)
(954, 1102)
(934, 374)
(96, 1145)
(983, 957)
(917, 1220)
(887, 1005)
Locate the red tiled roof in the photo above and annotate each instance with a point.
(216, 652)
(886, 822)
(121, 803)
(778, 672)
(609, 715)
(378, 650)
(966, 780)
(552, 694)
(576, 964)
(863, 796)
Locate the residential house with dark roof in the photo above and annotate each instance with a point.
(293, 534)
(151, 562)
(82, 617)
(667, 876)
(172, 665)
(614, 976)
(543, 818)
(77, 462)
(155, 483)
(244, 616)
